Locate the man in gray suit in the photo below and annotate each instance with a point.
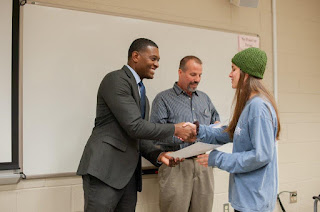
(111, 163)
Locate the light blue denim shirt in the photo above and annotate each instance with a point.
(253, 182)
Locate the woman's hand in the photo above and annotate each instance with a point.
(203, 160)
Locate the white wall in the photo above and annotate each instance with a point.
(299, 100)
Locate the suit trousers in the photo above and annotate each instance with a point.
(99, 197)
(186, 187)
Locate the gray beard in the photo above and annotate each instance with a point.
(191, 89)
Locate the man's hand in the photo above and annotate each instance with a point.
(186, 132)
(168, 160)
(203, 160)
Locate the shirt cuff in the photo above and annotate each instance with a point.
(212, 157)
(159, 162)
(201, 131)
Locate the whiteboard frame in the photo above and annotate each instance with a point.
(14, 164)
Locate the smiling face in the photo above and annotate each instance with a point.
(234, 75)
(190, 77)
(146, 62)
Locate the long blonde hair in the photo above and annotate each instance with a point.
(242, 95)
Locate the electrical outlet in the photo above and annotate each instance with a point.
(226, 207)
(293, 197)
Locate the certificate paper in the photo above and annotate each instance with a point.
(193, 150)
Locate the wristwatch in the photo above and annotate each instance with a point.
(197, 125)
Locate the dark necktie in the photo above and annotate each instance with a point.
(142, 98)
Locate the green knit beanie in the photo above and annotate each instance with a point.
(251, 61)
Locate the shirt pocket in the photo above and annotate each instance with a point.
(206, 115)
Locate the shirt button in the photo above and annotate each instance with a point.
(192, 108)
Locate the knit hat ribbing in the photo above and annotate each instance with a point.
(251, 61)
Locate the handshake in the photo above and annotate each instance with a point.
(186, 131)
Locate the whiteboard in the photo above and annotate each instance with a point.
(66, 54)
(5, 80)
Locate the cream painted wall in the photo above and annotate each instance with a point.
(299, 97)
(299, 100)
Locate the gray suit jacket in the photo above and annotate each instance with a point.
(112, 151)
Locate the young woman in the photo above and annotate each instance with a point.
(253, 129)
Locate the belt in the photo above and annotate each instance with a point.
(192, 157)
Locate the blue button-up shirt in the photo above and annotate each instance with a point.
(175, 105)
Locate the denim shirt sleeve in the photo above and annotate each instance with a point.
(211, 135)
(262, 138)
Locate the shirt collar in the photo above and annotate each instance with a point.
(136, 76)
(179, 91)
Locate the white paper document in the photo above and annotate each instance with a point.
(193, 150)
(227, 148)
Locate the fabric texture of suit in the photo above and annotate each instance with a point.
(113, 150)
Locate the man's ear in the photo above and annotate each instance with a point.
(135, 56)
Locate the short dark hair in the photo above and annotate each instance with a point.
(139, 45)
(184, 61)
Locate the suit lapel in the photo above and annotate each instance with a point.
(135, 92)
(136, 97)
(133, 83)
